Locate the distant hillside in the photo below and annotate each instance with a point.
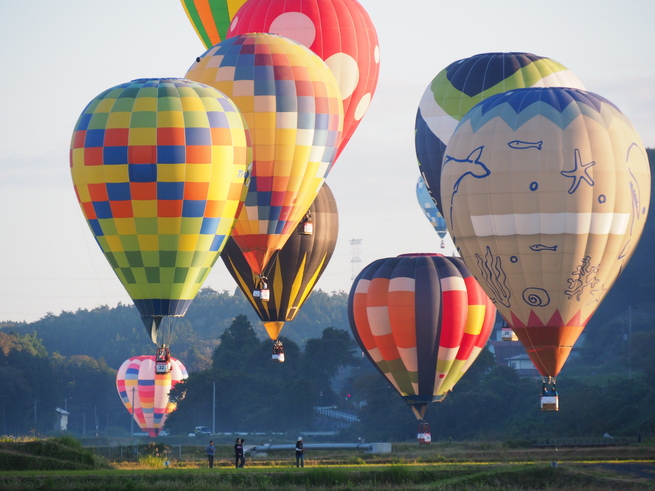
(115, 334)
(610, 325)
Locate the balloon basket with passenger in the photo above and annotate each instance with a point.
(278, 351)
(261, 290)
(306, 225)
(549, 396)
(163, 360)
(424, 436)
(507, 334)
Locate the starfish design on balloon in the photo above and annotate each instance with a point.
(579, 173)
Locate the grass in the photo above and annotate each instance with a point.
(395, 477)
(459, 466)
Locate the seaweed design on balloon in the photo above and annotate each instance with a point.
(494, 276)
(584, 277)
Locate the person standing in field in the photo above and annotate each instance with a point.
(300, 453)
(239, 459)
(210, 450)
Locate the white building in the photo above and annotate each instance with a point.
(61, 424)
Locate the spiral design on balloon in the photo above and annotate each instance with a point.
(536, 297)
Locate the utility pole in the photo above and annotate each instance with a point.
(356, 260)
(132, 422)
(214, 411)
(629, 342)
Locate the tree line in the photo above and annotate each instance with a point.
(253, 394)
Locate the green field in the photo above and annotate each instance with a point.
(457, 466)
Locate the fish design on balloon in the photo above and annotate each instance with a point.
(521, 145)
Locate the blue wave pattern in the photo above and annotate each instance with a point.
(560, 105)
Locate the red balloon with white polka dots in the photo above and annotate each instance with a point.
(340, 32)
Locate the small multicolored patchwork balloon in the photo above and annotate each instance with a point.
(464, 83)
(546, 193)
(146, 394)
(422, 319)
(340, 32)
(292, 104)
(160, 170)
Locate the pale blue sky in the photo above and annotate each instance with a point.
(56, 56)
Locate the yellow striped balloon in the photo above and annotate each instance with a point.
(295, 269)
(211, 18)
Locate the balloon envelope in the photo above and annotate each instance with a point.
(295, 270)
(546, 192)
(145, 394)
(464, 83)
(291, 103)
(426, 202)
(211, 18)
(340, 32)
(422, 319)
(159, 168)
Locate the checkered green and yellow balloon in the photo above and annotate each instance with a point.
(161, 170)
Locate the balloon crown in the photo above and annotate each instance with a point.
(151, 79)
(416, 254)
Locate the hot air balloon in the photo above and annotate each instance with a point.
(422, 319)
(291, 103)
(464, 83)
(211, 18)
(340, 32)
(160, 170)
(294, 270)
(430, 210)
(145, 393)
(546, 192)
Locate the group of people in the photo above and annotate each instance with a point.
(240, 460)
